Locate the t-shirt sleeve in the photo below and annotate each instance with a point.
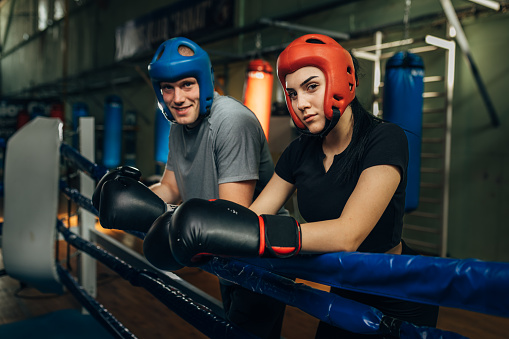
(388, 145)
(238, 148)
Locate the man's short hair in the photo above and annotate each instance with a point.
(185, 51)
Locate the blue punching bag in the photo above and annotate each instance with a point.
(161, 142)
(130, 138)
(79, 109)
(402, 105)
(112, 142)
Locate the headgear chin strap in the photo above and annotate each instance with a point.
(169, 65)
(329, 124)
(334, 61)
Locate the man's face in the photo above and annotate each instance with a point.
(182, 98)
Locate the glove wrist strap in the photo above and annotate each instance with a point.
(281, 237)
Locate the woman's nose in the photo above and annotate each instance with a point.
(302, 103)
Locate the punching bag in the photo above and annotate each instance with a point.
(161, 142)
(36, 111)
(57, 111)
(22, 118)
(130, 138)
(258, 91)
(402, 105)
(112, 141)
(79, 109)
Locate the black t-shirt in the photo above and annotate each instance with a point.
(322, 197)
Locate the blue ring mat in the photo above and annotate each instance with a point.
(62, 324)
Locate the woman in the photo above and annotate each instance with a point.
(348, 167)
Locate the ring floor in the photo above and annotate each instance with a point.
(147, 317)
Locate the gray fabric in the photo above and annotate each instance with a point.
(227, 146)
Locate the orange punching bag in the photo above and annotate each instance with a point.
(258, 91)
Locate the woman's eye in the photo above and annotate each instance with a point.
(312, 87)
(292, 95)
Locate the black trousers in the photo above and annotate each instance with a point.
(253, 312)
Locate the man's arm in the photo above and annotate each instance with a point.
(167, 188)
(239, 192)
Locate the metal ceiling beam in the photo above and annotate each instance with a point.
(287, 17)
(306, 29)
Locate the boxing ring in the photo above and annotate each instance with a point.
(29, 238)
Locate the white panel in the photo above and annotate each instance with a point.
(88, 270)
(31, 204)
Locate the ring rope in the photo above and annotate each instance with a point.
(327, 307)
(93, 170)
(194, 313)
(101, 314)
(344, 264)
(469, 284)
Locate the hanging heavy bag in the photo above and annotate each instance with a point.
(402, 105)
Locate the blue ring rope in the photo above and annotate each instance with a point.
(470, 284)
(293, 267)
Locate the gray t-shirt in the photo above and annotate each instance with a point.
(227, 146)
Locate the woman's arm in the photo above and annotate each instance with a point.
(273, 197)
(368, 201)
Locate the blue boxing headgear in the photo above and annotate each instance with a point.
(170, 66)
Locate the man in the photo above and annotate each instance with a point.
(213, 138)
(217, 150)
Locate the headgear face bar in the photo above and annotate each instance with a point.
(336, 64)
(169, 65)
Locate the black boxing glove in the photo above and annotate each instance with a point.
(201, 228)
(156, 245)
(126, 171)
(127, 204)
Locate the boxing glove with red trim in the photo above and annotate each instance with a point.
(200, 228)
(127, 204)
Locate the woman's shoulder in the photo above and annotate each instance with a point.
(386, 129)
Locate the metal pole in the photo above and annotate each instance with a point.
(463, 43)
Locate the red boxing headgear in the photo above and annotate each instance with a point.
(336, 64)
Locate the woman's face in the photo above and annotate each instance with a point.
(306, 90)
